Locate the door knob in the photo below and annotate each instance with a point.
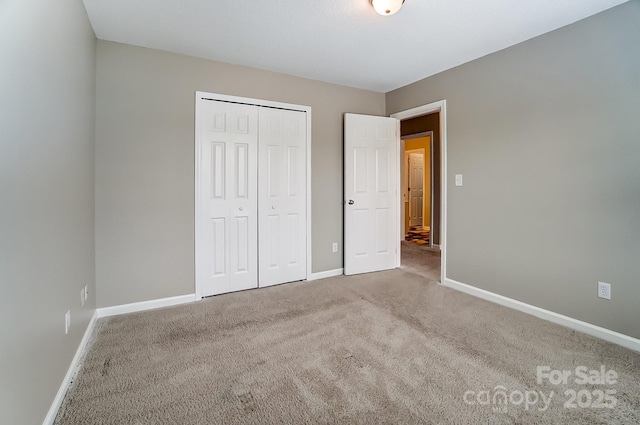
(350, 201)
(241, 209)
(273, 207)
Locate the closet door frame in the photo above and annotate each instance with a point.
(200, 95)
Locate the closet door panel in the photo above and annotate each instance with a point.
(282, 196)
(226, 238)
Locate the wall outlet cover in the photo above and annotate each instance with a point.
(604, 290)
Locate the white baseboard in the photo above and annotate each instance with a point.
(326, 274)
(569, 322)
(62, 391)
(144, 305)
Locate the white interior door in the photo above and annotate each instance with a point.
(370, 209)
(226, 236)
(282, 196)
(416, 191)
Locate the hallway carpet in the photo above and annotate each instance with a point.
(379, 348)
(420, 259)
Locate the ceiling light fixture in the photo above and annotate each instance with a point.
(386, 7)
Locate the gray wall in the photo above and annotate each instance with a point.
(47, 101)
(546, 134)
(145, 163)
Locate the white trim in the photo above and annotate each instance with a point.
(252, 101)
(431, 186)
(325, 274)
(257, 102)
(66, 381)
(145, 305)
(419, 110)
(440, 106)
(196, 195)
(399, 198)
(569, 322)
(309, 256)
(403, 212)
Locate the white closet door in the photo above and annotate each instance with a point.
(282, 196)
(226, 234)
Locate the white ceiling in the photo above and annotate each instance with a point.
(338, 41)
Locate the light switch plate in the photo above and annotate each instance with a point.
(458, 179)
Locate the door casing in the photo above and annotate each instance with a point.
(407, 155)
(439, 106)
(257, 102)
(429, 134)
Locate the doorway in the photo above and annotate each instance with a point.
(427, 258)
(416, 188)
(417, 192)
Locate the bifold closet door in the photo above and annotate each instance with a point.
(282, 196)
(226, 239)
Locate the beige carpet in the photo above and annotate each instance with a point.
(381, 348)
(420, 259)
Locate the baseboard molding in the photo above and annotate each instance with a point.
(326, 274)
(144, 305)
(62, 391)
(569, 322)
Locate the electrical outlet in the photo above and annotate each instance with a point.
(82, 297)
(335, 247)
(604, 290)
(67, 321)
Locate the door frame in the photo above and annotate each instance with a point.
(431, 168)
(256, 102)
(407, 153)
(439, 106)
